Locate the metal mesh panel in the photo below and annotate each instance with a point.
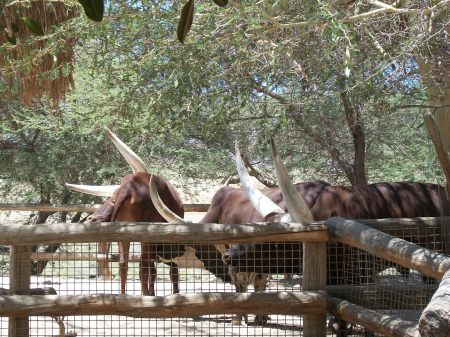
(352, 275)
(73, 270)
(377, 284)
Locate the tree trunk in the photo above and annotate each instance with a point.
(37, 267)
(357, 176)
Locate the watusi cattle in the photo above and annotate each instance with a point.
(319, 201)
(219, 212)
(130, 202)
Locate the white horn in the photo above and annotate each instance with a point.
(165, 212)
(136, 163)
(297, 207)
(101, 191)
(263, 205)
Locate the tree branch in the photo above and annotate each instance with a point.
(384, 10)
(255, 173)
(326, 144)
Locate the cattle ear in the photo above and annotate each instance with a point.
(295, 204)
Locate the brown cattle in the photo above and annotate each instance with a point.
(130, 201)
(320, 201)
(225, 209)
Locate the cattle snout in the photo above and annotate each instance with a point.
(103, 214)
(236, 253)
(265, 258)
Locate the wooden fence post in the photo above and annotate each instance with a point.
(314, 278)
(435, 319)
(20, 272)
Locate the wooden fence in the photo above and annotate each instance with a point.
(29, 207)
(313, 303)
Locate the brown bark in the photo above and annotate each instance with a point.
(356, 127)
(37, 267)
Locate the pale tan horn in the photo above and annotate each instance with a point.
(165, 212)
(262, 204)
(136, 163)
(295, 204)
(101, 191)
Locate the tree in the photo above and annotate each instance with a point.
(328, 79)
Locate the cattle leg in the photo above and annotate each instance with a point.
(241, 287)
(147, 270)
(174, 277)
(103, 265)
(260, 286)
(343, 328)
(124, 253)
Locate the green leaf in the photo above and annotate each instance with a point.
(93, 9)
(32, 25)
(185, 23)
(221, 3)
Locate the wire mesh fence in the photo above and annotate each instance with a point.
(353, 275)
(67, 275)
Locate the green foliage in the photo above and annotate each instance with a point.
(240, 78)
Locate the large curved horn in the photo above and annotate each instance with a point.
(263, 205)
(136, 163)
(165, 212)
(101, 191)
(295, 204)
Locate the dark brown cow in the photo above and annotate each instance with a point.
(320, 201)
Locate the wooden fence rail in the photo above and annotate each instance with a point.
(177, 305)
(404, 253)
(29, 207)
(435, 319)
(160, 233)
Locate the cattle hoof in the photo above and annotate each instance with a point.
(237, 320)
(261, 319)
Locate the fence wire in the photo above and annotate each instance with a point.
(353, 275)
